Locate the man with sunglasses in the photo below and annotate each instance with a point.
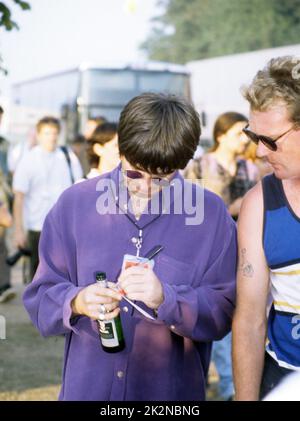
(186, 292)
(266, 327)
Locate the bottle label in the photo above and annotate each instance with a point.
(109, 333)
(106, 330)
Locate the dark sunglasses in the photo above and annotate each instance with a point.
(137, 175)
(267, 141)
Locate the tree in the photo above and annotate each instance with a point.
(195, 29)
(6, 21)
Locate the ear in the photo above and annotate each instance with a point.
(221, 138)
(98, 149)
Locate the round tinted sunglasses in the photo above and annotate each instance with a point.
(267, 141)
(138, 175)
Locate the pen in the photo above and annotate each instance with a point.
(137, 307)
(153, 252)
(150, 255)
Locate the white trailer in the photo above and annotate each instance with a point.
(216, 82)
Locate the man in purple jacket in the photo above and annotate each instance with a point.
(190, 291)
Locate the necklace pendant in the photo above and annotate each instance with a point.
(139, 242)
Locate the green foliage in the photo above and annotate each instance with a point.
(196, 29)
(6, 17)
(6, 20)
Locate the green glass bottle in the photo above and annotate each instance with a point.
(110, 331)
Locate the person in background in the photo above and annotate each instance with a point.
(221, 170)
(190, 291)
(5, 216)
(40, 177)
(102, 150)
(3, 148)
(79, 146)
(229, 177)
(266, 341)
(80, 143)
(6, 290)
(91, 125)
(18, 150)
(4, 169)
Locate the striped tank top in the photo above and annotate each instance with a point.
(281, 242)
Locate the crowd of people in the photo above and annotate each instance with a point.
(247, 241)
(33, 176)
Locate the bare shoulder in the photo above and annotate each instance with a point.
(254, 197)
(252, 208)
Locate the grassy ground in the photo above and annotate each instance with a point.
(30, 366)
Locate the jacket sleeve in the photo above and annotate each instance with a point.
(48, 298)
(204, 313)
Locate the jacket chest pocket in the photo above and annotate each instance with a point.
(174, 271)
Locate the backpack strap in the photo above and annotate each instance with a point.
(65, 151)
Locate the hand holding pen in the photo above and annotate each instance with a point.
(141, 284)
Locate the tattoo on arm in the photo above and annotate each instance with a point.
(245, 266)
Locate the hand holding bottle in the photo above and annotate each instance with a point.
(110, 330)
(87, 302)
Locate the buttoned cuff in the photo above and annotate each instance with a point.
(167, 309)
(69, 322)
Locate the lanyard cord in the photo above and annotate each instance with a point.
(139, 241)
(135, 223)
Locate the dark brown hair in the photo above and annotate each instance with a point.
(158, 133)
(103, 133)
(224, 123)
(1, 110)
(48, 121)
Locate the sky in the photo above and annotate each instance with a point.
(59, 34)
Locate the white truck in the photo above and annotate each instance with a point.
(87, 91)
(90, 90)
(216, 82)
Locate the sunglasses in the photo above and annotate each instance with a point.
(267, 141)
(138, 175)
